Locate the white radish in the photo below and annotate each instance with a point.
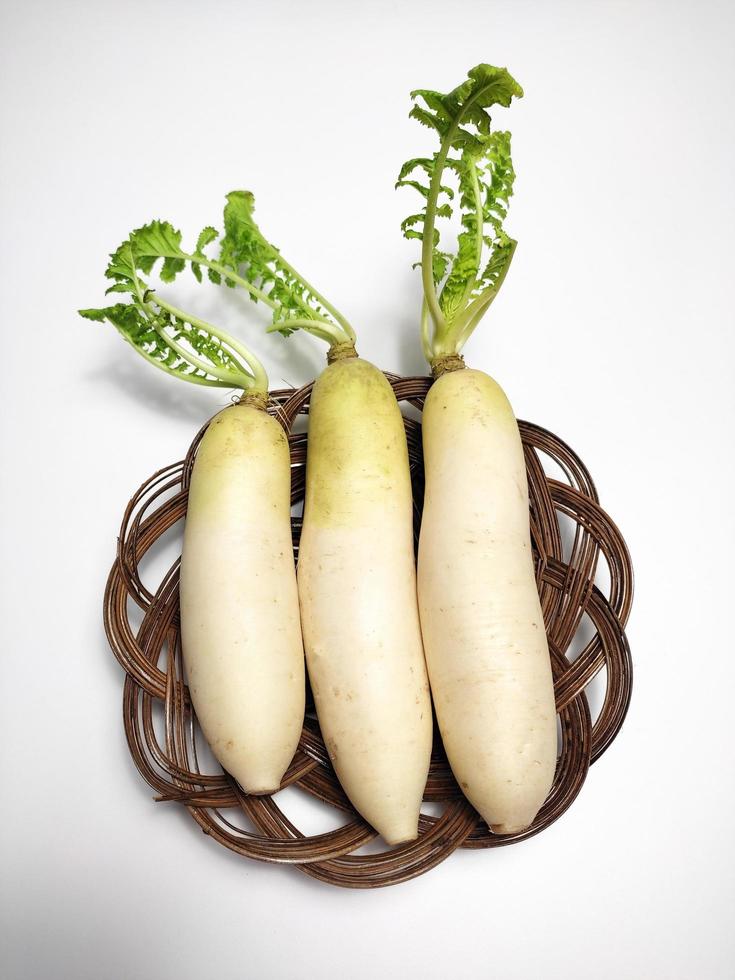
(356, 571)
(483, 631)
(483, 628)
(240, 630)
(357, 588)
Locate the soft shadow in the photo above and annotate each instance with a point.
(407, 325)
(411, 360)
(166, 396)
(290, 361)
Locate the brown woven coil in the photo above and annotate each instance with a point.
(566, 567)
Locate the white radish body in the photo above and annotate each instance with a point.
(240, 627)
(357, 586)
(481, 619)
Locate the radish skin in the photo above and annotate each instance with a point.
(240, 628)
(481, 618)
(357, 587)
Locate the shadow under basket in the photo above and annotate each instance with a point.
(570, 533)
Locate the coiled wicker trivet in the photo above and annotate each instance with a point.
(151, 657)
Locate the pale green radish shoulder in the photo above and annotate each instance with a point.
(356, 427)
(472, 395)
(242, 431)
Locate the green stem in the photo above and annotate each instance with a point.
(222, 374)
(325, 331)
(427, 247)
(501, 278)
(349, 333)
(192, 378)
(232, 378)
(477, 197)
(476, 311)
(464, 326)
(259, 379)
(230, 274)
(224, 378)
(426, 331)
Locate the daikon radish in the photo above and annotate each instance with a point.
(481, 619)
(356, 573)
(240, 624)
(240, 628)
(357, 584)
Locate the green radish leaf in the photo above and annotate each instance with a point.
(149, 335)
(206, 236)
(172, 340)
(246, 259)
(479, 160)
(245, 250)
(158, 240)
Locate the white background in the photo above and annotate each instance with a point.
(614, 329)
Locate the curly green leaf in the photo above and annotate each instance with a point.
(459, 287)
(295, 303)
(177, 342)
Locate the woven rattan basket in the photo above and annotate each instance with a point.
(566, 567)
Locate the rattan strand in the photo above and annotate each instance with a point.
(566, 567)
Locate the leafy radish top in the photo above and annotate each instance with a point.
(185, 345)
(459, 287)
